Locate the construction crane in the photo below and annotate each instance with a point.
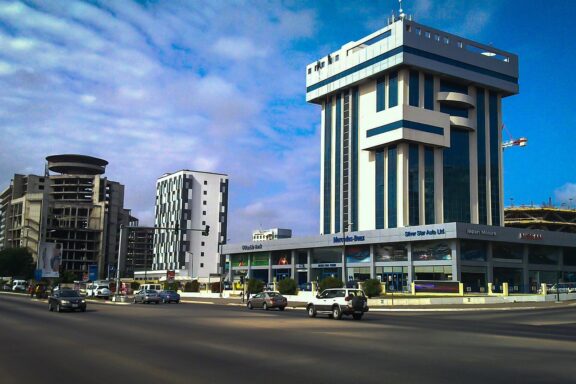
(520, 142)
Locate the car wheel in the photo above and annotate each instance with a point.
(265, 306)
(165, 302)
(58, 308)
(311, 311)
(281, 308)
(357, 316)
(177, 301)
(336, 313)
(250, 305)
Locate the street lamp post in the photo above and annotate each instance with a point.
(344, 266)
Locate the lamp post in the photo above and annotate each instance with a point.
(344, 265)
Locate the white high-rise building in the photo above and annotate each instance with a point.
(190, 201)
(411, 129)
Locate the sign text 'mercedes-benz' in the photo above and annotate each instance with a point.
(348, 239)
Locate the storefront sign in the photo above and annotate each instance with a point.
(332, 265)
(436, 286)
(482, 232)
(251, 247)
(348, 239)
(428, 232)
(530, 236)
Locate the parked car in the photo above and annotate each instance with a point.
(336, 302)
(20, 286)
(98, 290)
(168, 297)
(267, 300)
(66, 299)
(147, 296)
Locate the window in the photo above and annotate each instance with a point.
(460, 44)
(204, 213)
(429, 91)
(381, 94)
(203, 223)
(337, 57)
(392, 164)
(379, 189)
(457, 178)
(436, 37)
(418, 31)
(413, 186)
(393, 89)
(202, 243)
(201, 253)
(201, 265)
(309, 70)
(446, 40)
(204, 202)
(414, 88)
(205, 182)
(427, 34)
(205, 192)
(429, 185)
(408, 28)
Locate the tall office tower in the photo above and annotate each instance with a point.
(140, 249)
(75, 207)
(190, 200)
(411, 129)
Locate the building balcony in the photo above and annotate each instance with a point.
(462, 123)
(456, 99)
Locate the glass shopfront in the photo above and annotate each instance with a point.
(510, 253)
(391, 252)
(431, 250)
(327, 255)
(513, 276)
(473, 250)
(393, 278)
(433, 272)
(358, 273)
(540, 254)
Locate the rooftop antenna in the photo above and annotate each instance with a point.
(400, 11)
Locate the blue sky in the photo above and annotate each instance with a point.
(211, 85)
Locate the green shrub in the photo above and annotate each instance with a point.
(330, 282)
(255, 286)
(135, 285)
(372, 287)
(287, 287)
(170, 286)
(215, 287)
(192, 286)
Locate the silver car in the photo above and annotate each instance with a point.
(147, 296)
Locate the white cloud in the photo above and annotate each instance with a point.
(238, 48)
(566, 194)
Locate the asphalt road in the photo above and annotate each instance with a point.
(199, 343)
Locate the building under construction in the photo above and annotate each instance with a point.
(73, 205)
(547, 218)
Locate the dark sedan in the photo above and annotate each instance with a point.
(267, 300)
(169, 297)
(66, 299)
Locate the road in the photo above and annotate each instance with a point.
(199, 343)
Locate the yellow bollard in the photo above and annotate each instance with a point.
(504, 289)
(544, 289)
(461, 289)
(490, 289)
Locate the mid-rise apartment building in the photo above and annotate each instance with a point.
(188, 202)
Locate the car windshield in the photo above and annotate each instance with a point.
(102, 287)
(150, 291)
(69, 293)
(272, 294)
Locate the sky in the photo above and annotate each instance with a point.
(219, 86)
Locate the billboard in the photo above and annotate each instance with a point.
(49, 259)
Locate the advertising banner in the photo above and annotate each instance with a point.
(49, 259)
(93, 272)
(436, 286)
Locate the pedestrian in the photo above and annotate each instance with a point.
(31, 290)
(242, 295)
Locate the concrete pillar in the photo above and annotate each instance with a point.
(293, 256)
(505, 289)
(412, 288)
(461, 289)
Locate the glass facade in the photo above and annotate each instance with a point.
(379, 193)
(358, 273)
(457, 178)
(569, 257)
(381, 94)
(392, 190)
(357, 254)
(540, 254)
(337, 163)
(507, 252)
(471, 250)
(431, 250)
(390, 252)
(481, 153)
(393, 278)
(281, 258)
(414, 88)
(329, 255)
(430, 217)
(393, 89)
(413, 185)
(429, 92)
(454, 111)
(327, 162)
(433, 272)
(495, 151)
(450, 86)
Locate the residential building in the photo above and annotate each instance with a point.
(188, 202)
(140, 250)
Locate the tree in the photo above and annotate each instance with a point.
(330, 282)
(287, 286)
(372, 287)
(255, 286)
(17, 262)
